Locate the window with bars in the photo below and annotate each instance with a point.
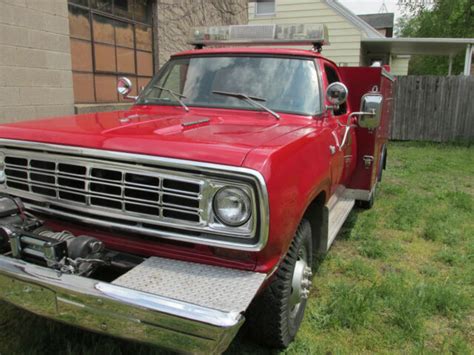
(109, 39)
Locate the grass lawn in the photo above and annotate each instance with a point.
(399, 278)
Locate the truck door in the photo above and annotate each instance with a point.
(342, 163)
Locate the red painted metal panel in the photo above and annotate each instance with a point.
(226, 138)
(361, 80)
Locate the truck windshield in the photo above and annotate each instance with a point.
(282, 84)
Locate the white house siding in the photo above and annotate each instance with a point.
(345, 47)
(399, 65)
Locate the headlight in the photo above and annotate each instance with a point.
(232, 206)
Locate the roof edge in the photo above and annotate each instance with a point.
(384, 20)
(354, 19)
(421, 40)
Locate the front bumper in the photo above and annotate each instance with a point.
(117, 310)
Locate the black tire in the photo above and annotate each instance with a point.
(271, 322)
(382, 164)
(367, 205)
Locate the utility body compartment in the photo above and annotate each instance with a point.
(371, 149)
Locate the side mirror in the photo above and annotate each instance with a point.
(336, 94)
(371, 107)
(124, 88)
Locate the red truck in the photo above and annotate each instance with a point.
(201, 206)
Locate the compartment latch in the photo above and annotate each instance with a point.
(368, 161)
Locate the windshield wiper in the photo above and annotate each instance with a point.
(176, 95)
(252, 99)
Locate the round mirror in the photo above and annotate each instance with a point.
(337, 93)
(124, 86)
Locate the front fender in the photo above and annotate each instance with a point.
(296, 169)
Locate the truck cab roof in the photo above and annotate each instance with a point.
(251, 50)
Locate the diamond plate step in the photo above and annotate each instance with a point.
(338, 212)
(214, 287)
(335, 214)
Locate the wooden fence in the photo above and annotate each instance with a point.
(433, 108)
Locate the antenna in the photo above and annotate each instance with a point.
(383, 8)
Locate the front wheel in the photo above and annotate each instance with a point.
(275, 317)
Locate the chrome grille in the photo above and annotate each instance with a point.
(133, 190)
(159, 197)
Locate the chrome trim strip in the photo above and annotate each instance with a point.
(236, 174)
(168, 305)
(112, 309)
(147, 231)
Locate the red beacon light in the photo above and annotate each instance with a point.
(289, 34)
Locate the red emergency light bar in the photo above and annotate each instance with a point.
(289, 34)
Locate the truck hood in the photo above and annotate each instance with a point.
(215, 136)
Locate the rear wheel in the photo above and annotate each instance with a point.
(275, 317)
(367, 205)
(382, 164)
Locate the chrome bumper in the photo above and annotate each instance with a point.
(117, 310)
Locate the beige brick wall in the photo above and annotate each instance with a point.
(176, 18)
(35, 60)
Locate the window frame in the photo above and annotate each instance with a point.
(95, 72)
(257, 13)
(343, 109)
(109, 14)
(158, 76)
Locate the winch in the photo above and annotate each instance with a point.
(27, 238)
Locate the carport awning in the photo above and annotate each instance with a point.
(411, 46)
(422, 46)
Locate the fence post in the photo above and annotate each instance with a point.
(468, 61)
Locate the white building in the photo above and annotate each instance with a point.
(347, 31)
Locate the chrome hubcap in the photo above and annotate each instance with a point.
(300, 283)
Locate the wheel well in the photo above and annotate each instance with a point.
(314, 214)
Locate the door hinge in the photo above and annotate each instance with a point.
(368, 160)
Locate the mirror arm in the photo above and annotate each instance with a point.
(360, 113)
(348, 127)
(332, 107)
